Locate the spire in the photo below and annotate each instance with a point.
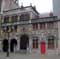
(21, 4)
(51, 13)
(30, 4)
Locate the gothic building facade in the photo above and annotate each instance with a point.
(36, 34)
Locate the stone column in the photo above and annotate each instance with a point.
(10, 19)
(0, 26)
(30, 45)
(18, 18)
(18, 43)
(46, 25)
(38, 26)
(58, 47)
(30, 17)
(59, 37)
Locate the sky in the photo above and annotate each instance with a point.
(42, 6)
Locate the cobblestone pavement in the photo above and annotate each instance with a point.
(28, 56)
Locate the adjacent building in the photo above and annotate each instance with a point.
(56, 8)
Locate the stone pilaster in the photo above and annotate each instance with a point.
(10, 19)
(18, 18)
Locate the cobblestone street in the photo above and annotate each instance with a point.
(28, 56)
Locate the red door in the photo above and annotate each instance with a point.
(43, 47)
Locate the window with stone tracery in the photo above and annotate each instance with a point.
(51, 43)
(50, 25)
(0, 4)
(35, 43)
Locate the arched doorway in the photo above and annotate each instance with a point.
(5, 45)
(43, 47)
(24, 42)
(13, 44)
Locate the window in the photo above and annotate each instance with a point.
(5, 28)
(14, 28)
(35, 43)
(24, 17)
(51, 43)
(55, 25)
(42, 25)
(35, 26)
(6, 19)
(9, 28)
(14, 18)
(50, 25)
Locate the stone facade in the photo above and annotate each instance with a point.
(36, 28)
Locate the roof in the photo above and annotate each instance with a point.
(23, 8)
(45, 19)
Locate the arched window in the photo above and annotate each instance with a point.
(14, 18)
(51, 42)
(50, 25)
(14, 28)
(42, 26)
(35, 43)
(5, 28)
(35, 26)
